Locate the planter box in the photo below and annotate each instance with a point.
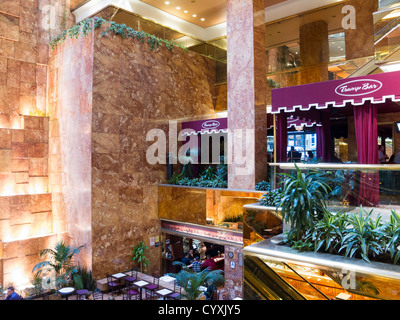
(339, 274)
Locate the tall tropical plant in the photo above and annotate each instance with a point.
(60, 260)
(303, 201)
(139, 255)
(192, 281)
(392, 230)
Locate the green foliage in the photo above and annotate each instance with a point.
(303, 201)
(328, 232)
(191, 281)
(85, 27)
(87, 279)
(208, 179)
(392, 229)
(271, 198)
(139, 252)
(364, 237)
(263, 186)
(60, 259)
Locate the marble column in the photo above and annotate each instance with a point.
(247, 93)
(360, 41)
(314, 52)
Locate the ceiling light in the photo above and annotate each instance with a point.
(166, 2)
(194, 15)
(185, 11)
(178, 8)
(202, 19)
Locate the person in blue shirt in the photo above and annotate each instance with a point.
(196, 265)
(11, 294)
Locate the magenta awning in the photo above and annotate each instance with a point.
(376, 88)
(206, 126)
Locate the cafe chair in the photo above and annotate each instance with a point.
(149, 294)
(82, 294)
(155, 285)
(176, 295)
(113, 284)
(131, 294)
(132, 277)
(97, 295)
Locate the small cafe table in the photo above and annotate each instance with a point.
(119, 276)
(140, 284)
(164, 293)
(66, 292)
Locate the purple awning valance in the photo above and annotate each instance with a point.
(376, 88)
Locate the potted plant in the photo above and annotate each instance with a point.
(302, 201)
(192, 281)
(139, 255)
(60, 260)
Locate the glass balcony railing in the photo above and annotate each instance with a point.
(352, 184)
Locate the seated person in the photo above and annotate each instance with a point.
(293, 155)
(209, 263)
(186, 259)
(196, 265)
(11, 294)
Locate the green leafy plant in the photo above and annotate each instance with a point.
(192, 281)
(392, 229)
(364, 236)
(85, 27)
(87, 278)
(263, 186)
(60, 259)
(271, 198)
(303, 201)
(328, 232)
(139, 252)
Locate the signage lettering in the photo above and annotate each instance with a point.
(358, 87)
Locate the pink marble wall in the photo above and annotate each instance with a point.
(70, 140)
(105, 94)
(247, 89)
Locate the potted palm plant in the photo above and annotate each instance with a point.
(139, 255)
(60, 261)
(192, 281)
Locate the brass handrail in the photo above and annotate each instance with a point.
(337, 166)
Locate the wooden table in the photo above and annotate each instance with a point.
(140, 284)
(164, 293)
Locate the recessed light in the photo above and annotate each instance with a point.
(202, 19)
(185, 11)
(194, 15)
(178, 8)
(166, 2)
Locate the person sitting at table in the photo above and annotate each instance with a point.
(209, 263)
(11, 294)
(196, 265)
(186, 259)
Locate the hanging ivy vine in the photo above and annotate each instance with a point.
(85, 27)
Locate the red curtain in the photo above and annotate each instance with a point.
(324, 137)
(281, 137)
(365, 119)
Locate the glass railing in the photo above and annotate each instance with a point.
(351, 184)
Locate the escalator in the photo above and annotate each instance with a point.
(262, 283)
